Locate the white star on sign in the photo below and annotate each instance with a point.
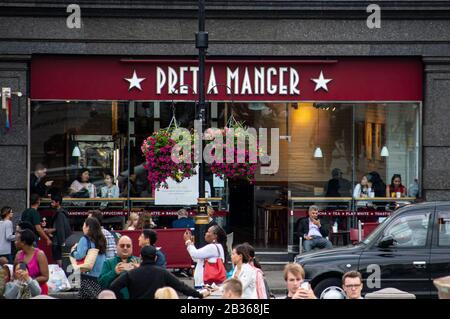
(321, 82)
(135, 82)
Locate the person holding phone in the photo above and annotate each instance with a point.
(296, 287)
(216, 247)
(313, 232)
(123, 262)
(34, 258)
(23, 287)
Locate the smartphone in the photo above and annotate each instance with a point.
(305, 285)
(23, 266)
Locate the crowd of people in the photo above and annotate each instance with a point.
(108, 268)
(114, 272)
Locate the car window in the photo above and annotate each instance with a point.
(409, 230)
(444, 229)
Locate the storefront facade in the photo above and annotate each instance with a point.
(370, 99)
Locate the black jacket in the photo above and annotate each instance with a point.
(38, 186)
(62, 226)
(303, 228)
(143, 282)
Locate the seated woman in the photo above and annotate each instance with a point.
(110, 190)
(132, 222)
(145, 221)
(81, 187)
(362, 190)
(396, 187)
(23, 286)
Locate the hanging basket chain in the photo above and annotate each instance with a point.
(173, 120)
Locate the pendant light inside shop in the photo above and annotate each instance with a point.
(384, 151)
(76, 151)
(318, 151)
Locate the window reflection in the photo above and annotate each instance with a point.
(67, 137)
(381, 139)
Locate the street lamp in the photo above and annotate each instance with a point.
(201, 43)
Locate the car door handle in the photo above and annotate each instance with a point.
(420, 264)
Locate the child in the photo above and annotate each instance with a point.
(109, 190)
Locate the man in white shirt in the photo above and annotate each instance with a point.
(313, 233)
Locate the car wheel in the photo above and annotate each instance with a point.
(326, 283)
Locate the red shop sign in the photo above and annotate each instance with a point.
(345, 213)
(152, 213)
(115, 78)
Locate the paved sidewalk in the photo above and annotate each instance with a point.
(274, 279)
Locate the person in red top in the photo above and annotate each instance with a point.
(35, 258)
(396, 187)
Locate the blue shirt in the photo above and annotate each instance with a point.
(110, 192)
(183, 223)
(81, 251)
(160, 259)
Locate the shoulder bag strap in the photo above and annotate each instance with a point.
(88, 241)
(218, 251)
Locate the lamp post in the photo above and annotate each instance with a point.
(201, 43)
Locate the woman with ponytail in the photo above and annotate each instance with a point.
(261, 287)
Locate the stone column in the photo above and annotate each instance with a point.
(14, 142)
(436, 132)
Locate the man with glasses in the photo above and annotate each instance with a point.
(352, 284)
(123, 262)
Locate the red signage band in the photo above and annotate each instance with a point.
(115, 78)
(340, 213)
(48, 213)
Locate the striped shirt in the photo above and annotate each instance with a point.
(110, 244)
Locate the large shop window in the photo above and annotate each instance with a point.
(67, 136)
(377, 140)
(355, 140)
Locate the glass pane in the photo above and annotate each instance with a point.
(409, 231)
(387, 148)
(320, 153)
(444, 229)
(67, 137)
(259, 212)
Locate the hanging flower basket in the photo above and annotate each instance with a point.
(235, 170)
(160, 166)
